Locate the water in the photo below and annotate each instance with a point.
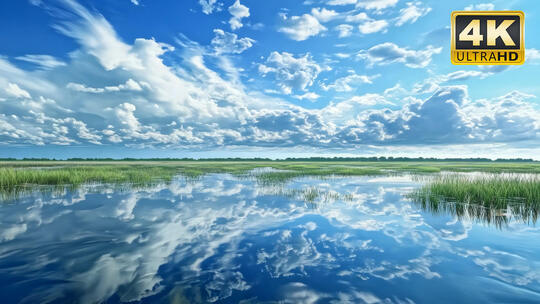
(227, 240)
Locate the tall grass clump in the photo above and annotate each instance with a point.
(492, 197)
(16, 180)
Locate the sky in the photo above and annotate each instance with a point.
(251, 78)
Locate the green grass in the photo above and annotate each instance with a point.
(16, 181)
(16, 175)
(489, 198)
(12, 177)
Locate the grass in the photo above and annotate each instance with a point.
(12, 177)
(489, 198)
(16, 175)
(19, 180)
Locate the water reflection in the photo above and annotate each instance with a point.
(220, 239)
(500, 218)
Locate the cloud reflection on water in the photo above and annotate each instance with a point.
(220, 239)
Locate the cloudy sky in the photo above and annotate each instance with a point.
(251, 78)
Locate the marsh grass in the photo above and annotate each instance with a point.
(22, 176)
(312, 196)
(15, 182)
(491, 198)
(292, 172)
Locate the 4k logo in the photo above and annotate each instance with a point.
(488, 37)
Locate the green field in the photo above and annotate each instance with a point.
(20, 176)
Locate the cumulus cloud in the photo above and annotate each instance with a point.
(373, 26)
(411, 13)
(448, 116)
(341, 2)
(309, 96)
(480, 7)
(367, 25)
(209, 6)
(345, 30)
(192, 98)
(376, 4)
(344, 84)
(44, 61)
(238, 11)
(14, 90)
(434, 83)
(300, 28)
(532, 55)
(360, 17)
(388, 52)
(348, 109)
(435, 120)
(323, 14)
(229, 43)
(291, 73)
(130, 85)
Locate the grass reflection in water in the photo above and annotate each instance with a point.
(490, 198)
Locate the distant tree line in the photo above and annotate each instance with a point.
(303, 159)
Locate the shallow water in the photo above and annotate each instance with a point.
(228, 240)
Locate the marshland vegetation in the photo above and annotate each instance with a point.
(492, 190)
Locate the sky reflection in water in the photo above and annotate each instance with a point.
(220, 239)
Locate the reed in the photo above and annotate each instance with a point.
(488, 198)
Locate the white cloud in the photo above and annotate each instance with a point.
(411, 13)
(360, 17)
(367, 25)
(432, 84)
(15, 91)
(323, 14)
(344, 84)
(462, 75)
(291, 72)
(532, 56)
(376, 4)
(342, 55)
(209, 6)
(480, 7)
(387, 53)
(99, 39)
(45, 61)
(124, 112)
(345, 30)
(229, 43)
(349, 109)
(130, 85)
(309, 96)
(341, 2)
(238, 11)
(373, 26)
(300, 28)
(193, 102)
(135, 2)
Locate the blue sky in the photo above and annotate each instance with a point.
(211, 78)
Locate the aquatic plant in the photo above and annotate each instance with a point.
(23, 175)
(491, 198)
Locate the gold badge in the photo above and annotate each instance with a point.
(488, 37)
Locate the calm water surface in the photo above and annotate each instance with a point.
(227, 240)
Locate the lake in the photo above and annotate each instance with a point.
(226, 239)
